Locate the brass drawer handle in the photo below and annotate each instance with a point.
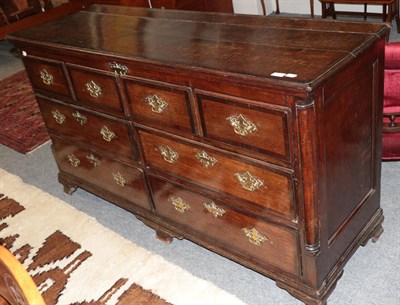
(119, 179)
(214, 209)
(74, 161)
(107, 134)
(92, 159)
(240, 125)
(81, 119)
(156, 103)
(119, 69)
(254, 236)
(180, 205)
(249, 182)
(168, 154)
(205, 160)
(46, 77)
(93, 89)
(58, 116)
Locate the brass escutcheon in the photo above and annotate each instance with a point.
(80, 118)
(121, 181)
(58, 116)
(254, 236)
(240, 125)
(249, 182)
(205, 160)
(214, 209)
(168, 154)
(93, 89)
(46, 77)
(180, 205)
(119, 69)
(156, 103)
(74, 161)
(92, 159)
(107, 134)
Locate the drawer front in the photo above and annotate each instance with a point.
(245, 125)
(275, 245)
(89, 128)
(96, 91)
(47, 75)
(262, 186)
(163, 106)
(120, 179)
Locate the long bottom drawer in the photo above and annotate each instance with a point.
(91, 166)
(272, 244)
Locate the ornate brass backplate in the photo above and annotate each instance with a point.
(240, 125)
(254, 236)
(180, 205)
(80, 118)
(74, 161)
(168, 154)
(119, 179)
(92, 159)
(214, 209)
(107, 134)
(46, 77)
(119, 69)
(93, 89)
(249, 182)
(205, 160)
(58, 116)
(156, 103)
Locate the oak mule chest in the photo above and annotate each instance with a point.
(258, 138)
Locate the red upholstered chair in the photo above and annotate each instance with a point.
(391, 103)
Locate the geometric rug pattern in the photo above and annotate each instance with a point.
(22, 127)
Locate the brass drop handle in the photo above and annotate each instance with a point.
(156, 103)
(241, 125)
(179, 205)
(58, 116)
(46, 77)
(74, 161)
(119, 179)
(214, 209)
(168, 154)
(93, 89)
(248, 181)
(119, 69)
(92, 159)
(80, 118)
(205, 160)
(107, 134)
(254, 236)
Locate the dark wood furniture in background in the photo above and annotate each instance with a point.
(218, 129)
(390, 9)
(192, 5)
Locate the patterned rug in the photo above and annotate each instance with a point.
(75, 260)
(22, 127)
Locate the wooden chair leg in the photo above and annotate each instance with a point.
(365, 11)
(263, 7)
(384, 13)
(277, 7)
(312, 8)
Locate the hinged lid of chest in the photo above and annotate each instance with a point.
(297, 51)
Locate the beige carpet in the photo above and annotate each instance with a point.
(75, 260)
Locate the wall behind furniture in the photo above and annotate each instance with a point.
(293, 6)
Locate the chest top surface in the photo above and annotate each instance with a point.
(249, 46)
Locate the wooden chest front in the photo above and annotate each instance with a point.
(222, 130)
